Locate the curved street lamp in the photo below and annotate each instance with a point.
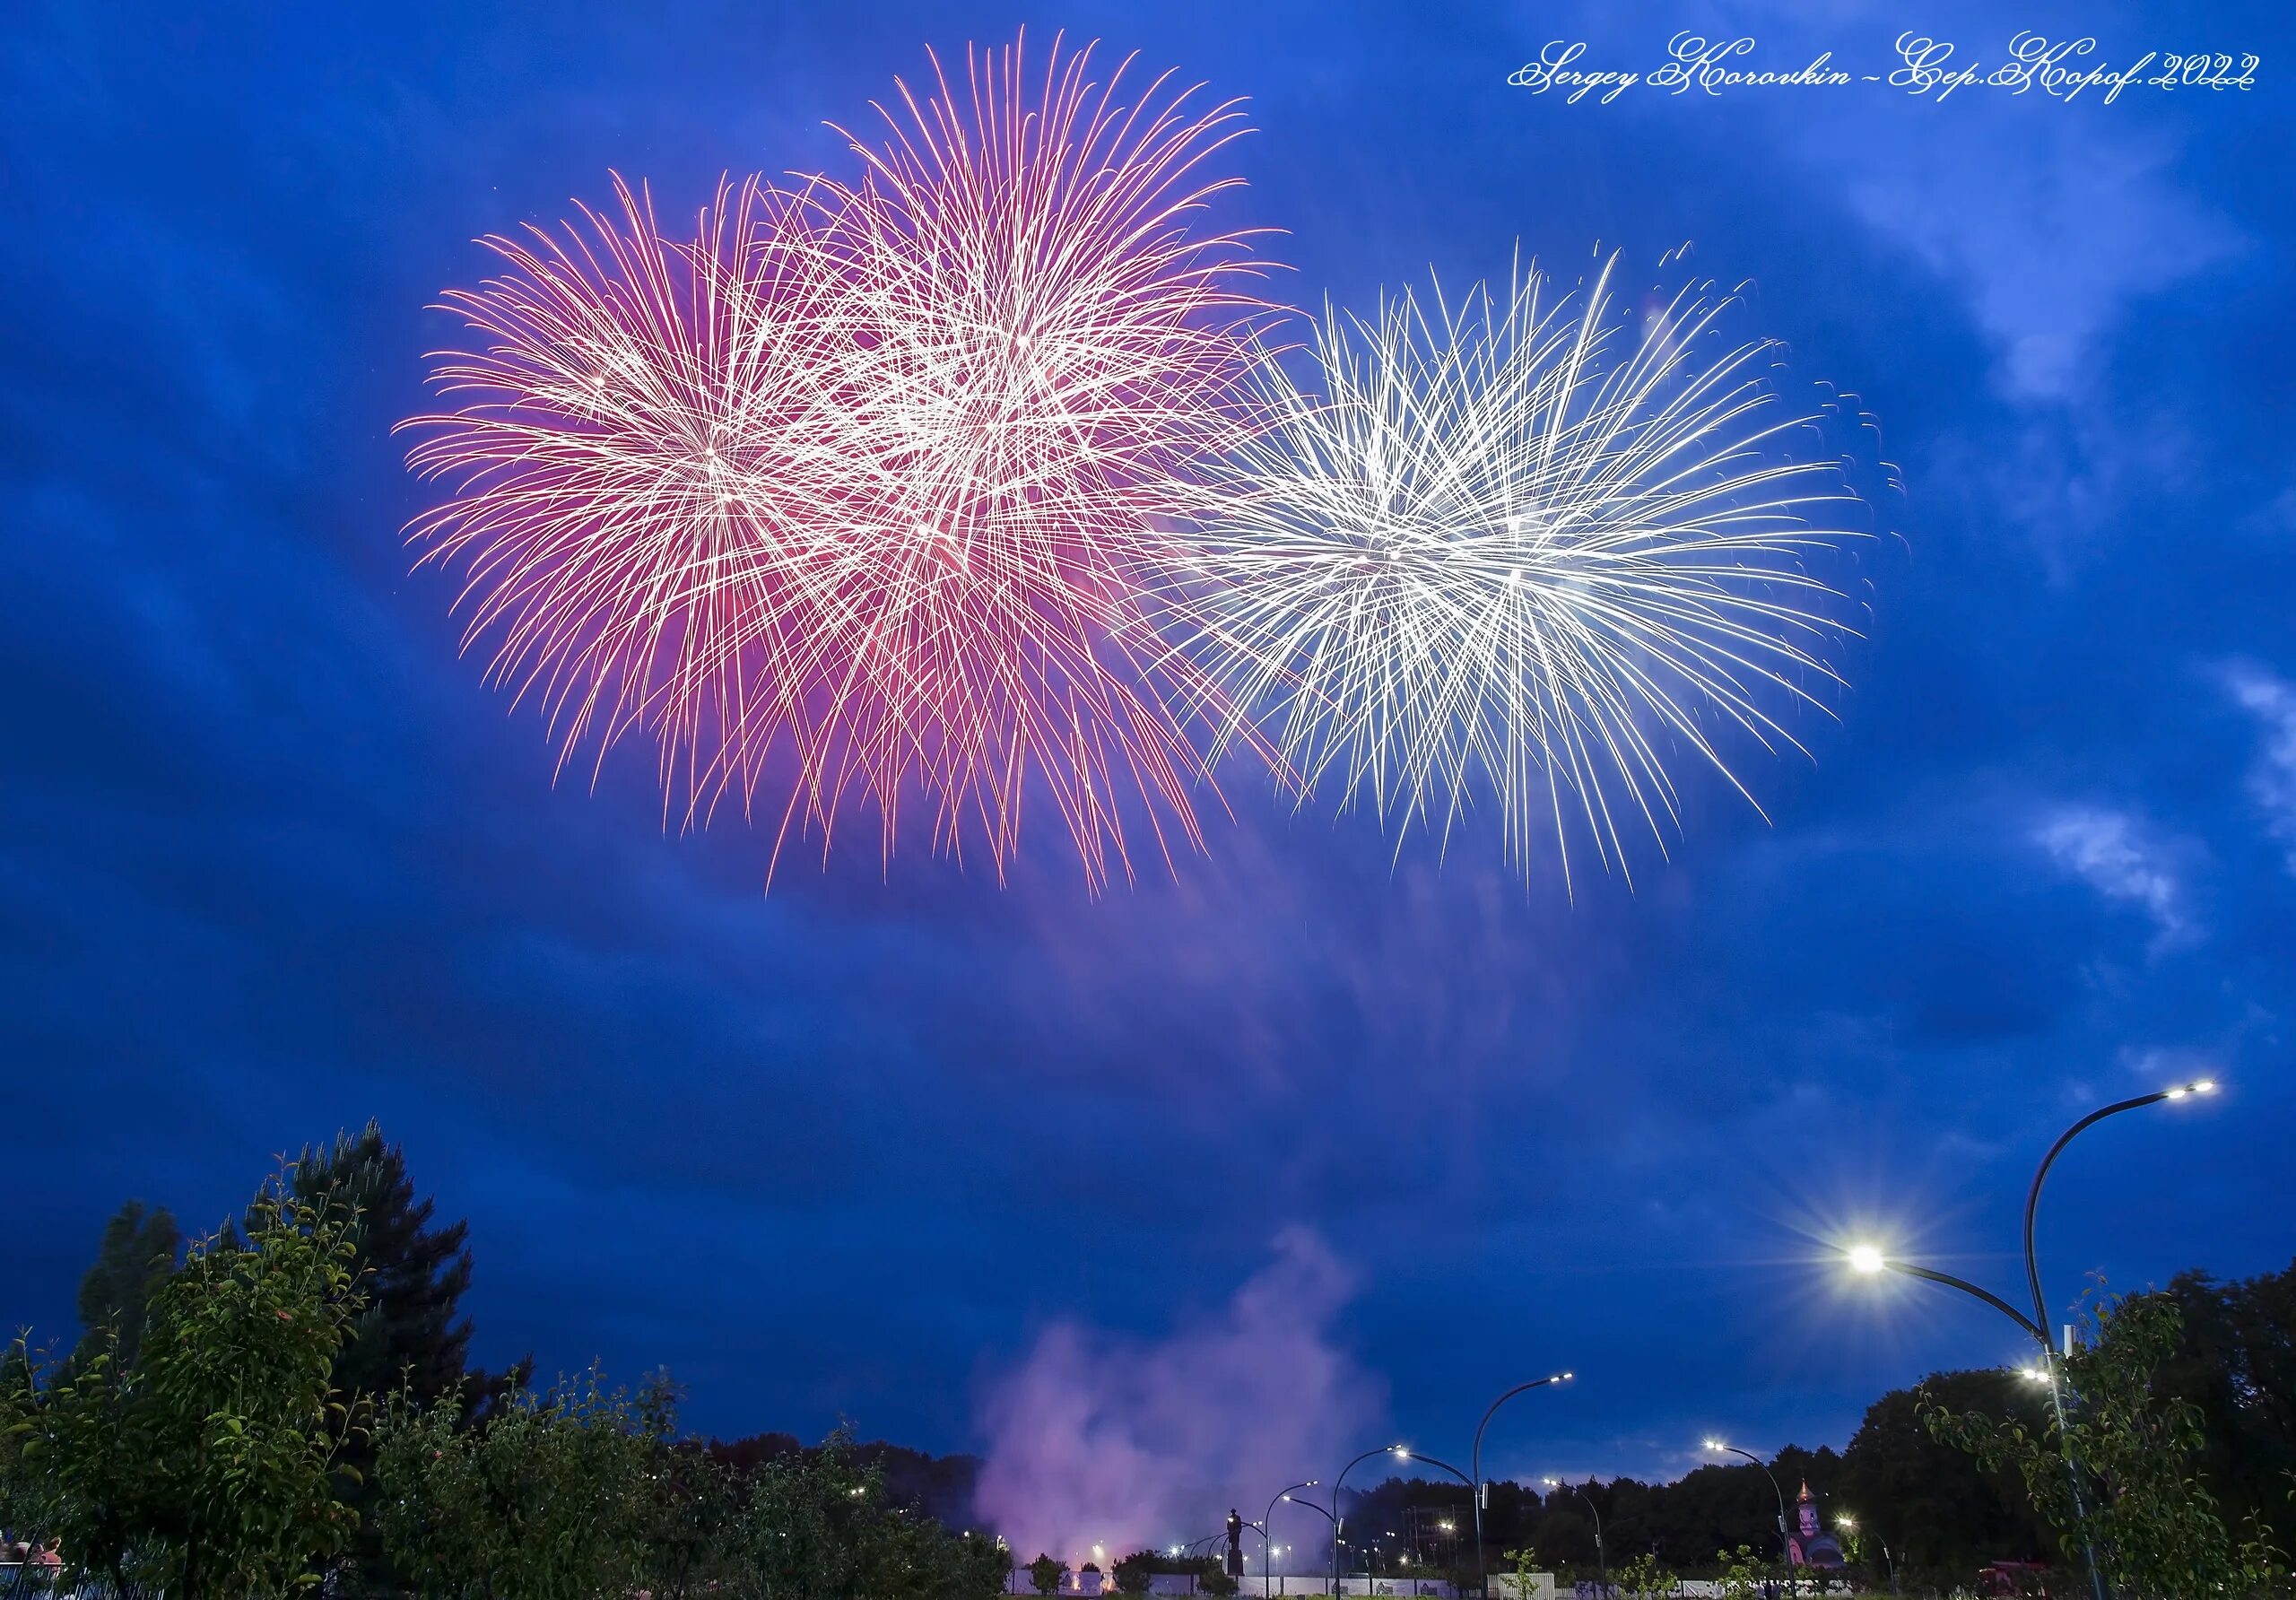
(1305, 1505)
(1188, 1551)
(1849, 1525)
(1444, 1466)
(1602, 1563)
(1339, 1523)
(1310, 1505)
(1869, 1259)
(1474, 1461)
(1785, 1544)
(1210, 1539)
(1266, 1552)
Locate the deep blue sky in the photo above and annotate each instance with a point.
(273, 860)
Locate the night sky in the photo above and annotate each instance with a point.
(273, 859)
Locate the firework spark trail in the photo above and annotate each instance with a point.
(1041, 348)
(636, 465)
(861, 476)
(1499, 554)
(909, 485)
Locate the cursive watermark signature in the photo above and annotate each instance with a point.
(2063, 69)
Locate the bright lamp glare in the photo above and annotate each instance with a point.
(2204, 1086)
(1866, 1258)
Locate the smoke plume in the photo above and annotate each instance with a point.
(1126, 1444)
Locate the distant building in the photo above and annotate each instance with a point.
(1431, 1536)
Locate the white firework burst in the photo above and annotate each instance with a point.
(1523, 552)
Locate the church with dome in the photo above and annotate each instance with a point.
(1809, 1546)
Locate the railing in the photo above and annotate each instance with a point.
(49, 1580)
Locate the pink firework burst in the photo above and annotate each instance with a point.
(856, 489)
(635, 462)
(1037, 347)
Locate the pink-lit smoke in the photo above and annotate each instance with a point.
(1127, 1444)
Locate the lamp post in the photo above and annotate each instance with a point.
(1869, 1259)
(1849, 1525)
(1785, 1544)
(1188, 1551)
(1339, 1523)
(1309, 1505)
(1217, 1534)
(1474, 1461)
(1267, 1555)
(1602, 1563)
(1441, 1465)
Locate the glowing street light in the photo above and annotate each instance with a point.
(1602, 1561)
(1267, 1551)
(1785, 1544)
(1474, 1461)
(1849, 1525)
(1401, 1453)
(1338, 1523)
(1866, 1258)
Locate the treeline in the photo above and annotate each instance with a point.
(939, 1486)
(1894, 1476)
(1907, 1504)
(290, 1402)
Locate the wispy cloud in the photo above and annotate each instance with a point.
(1998, 226)
(2118, 856)
(2271, 700)
(2156, 1067)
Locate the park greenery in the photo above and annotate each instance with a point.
(287, 1404)
(2117, 1471)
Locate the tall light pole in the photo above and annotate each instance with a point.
(1870, 1258)
(1785, 1544)
(1849, 1525)
(1339, 1523)
(1602, 1563)
(1266, 1554)
(1474, 1461)
(1217, 1534)
(1290, 1500)
(1189, 1550)
(1405, 1455)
